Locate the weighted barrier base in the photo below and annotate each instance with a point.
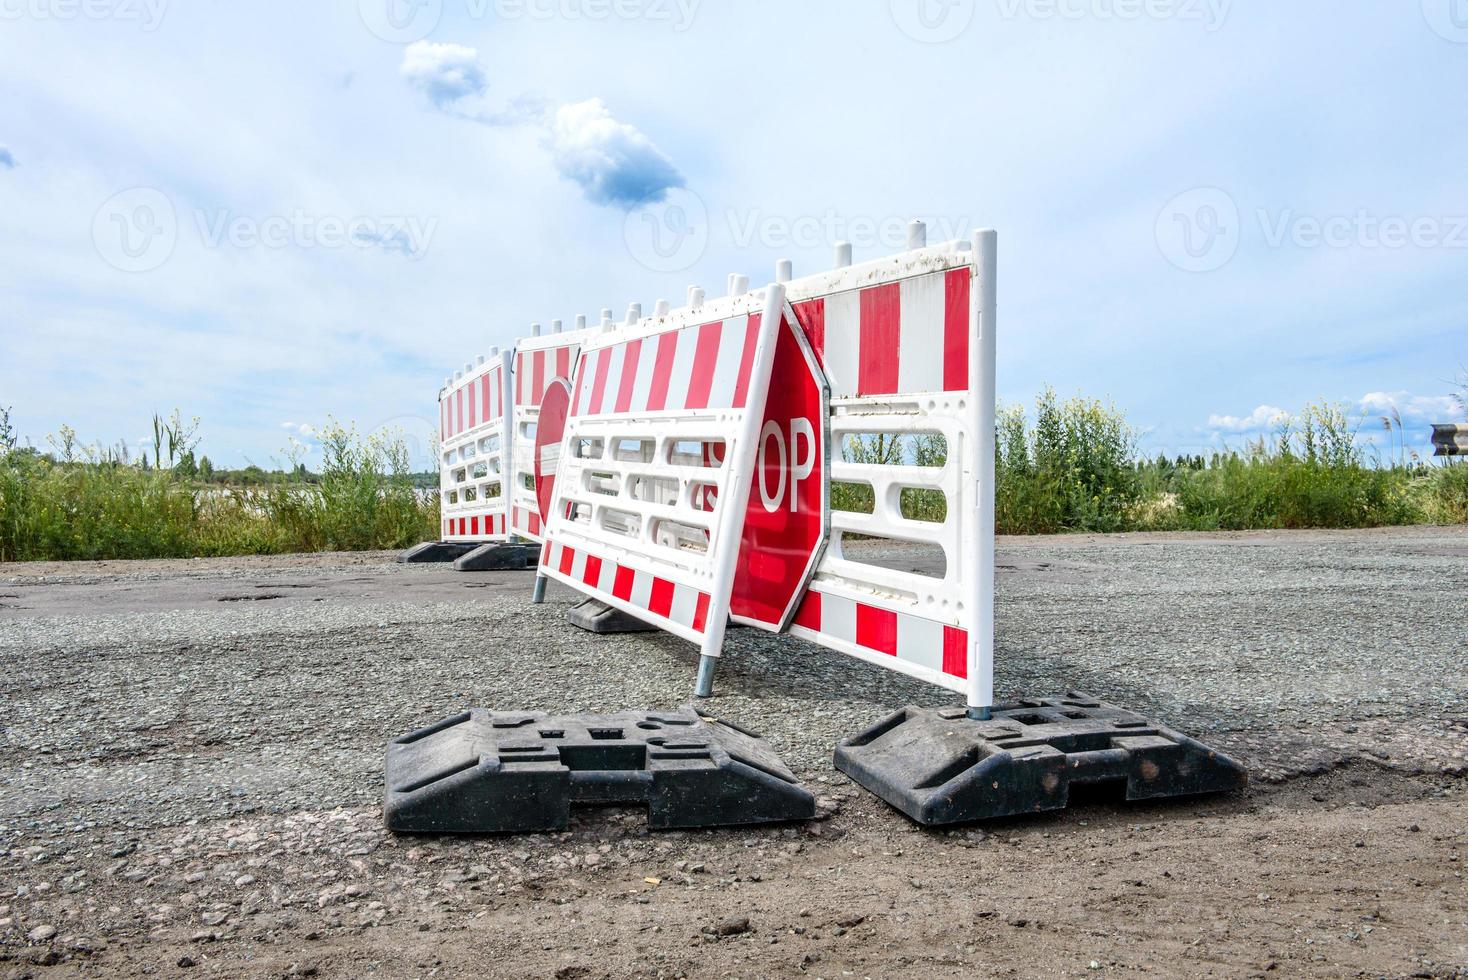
(496, 558)
(596, 616)
(495, 771)
(434, 552)
(940, 767)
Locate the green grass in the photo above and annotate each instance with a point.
(1067, 466)
(1073, 466)
(83, 504)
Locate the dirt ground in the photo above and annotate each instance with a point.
(191, 770)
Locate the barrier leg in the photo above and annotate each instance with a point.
(539, 596)
(704, 688)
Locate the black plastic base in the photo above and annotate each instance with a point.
(940, 767)
(435, 552)
(596, 616)
(496, 558)
(494, 772)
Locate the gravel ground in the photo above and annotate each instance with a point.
(192, 765)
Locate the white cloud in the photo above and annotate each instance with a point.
(1263, 417)
(614, 163)
(1425, 407)
(446, 73)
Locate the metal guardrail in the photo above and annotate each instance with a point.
(1450, 440)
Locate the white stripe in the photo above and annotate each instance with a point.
(607, 577)
(578, 566)
(726, 367)
(642, 385)
(843, 342)
(682, 368)
(588, 378)
(920, 641)
(642, 590)
(838, 617)
(920, 334)
(685, 605)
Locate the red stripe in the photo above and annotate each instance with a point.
(484, 401)
(881, 331)
(812, 317)
(705, 359)
(592, 575)
(545, 554)
(474, 525)
(622, 584)
(535, 524)
(458, 411)
(499, 392)
(662, 371)
(955, 650)
(701, 613)
(809, 615)
(876, 629)
(599, 383)
(955, 329)
(661, 603)
(537, 377)
(563, 362)
(463, 527)
(518, 398)
(568, 558)
(629, 375)
(746, 363)
(473, 407)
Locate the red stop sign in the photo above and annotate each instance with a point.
(786, 519)
(550, 427)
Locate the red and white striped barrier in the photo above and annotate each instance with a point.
(907, 344)
(539, 361)
(474, 452)
(632, 521)
(901, 351)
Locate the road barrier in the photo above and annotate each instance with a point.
(1450, 440)
(539, 362)
(475, 451)
(743, 460)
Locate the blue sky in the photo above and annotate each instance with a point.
(1209, 211)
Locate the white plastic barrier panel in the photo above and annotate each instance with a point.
(907, 345)
(539, 362)
(665, 423)
(474, 453)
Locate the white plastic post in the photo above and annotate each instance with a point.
(739, 286)
(984, 316)
(695, 297)
(535, 330)
(479, 361)
(458, 375)
(917, 235)
(555, 326)
(634, 313)
(494, 352)
(580, 321)
(843, 255)
(741, 469)
(784, 270)
(662, 309)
